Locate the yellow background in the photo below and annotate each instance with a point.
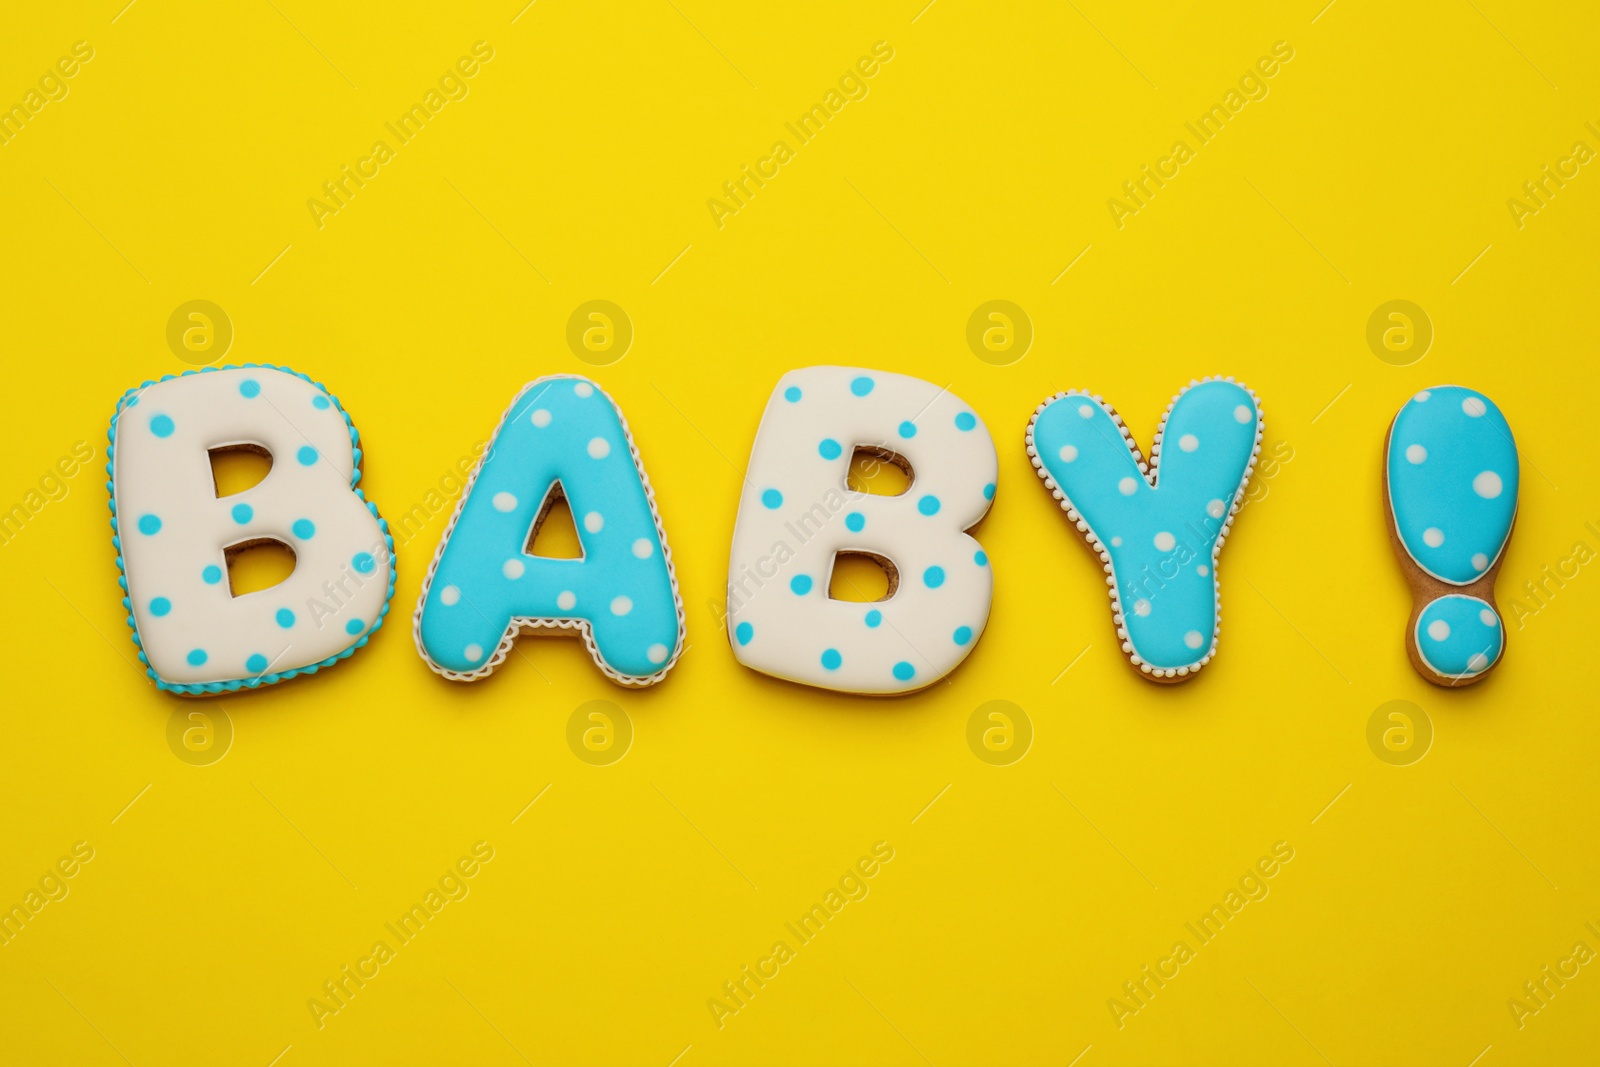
(978, 167)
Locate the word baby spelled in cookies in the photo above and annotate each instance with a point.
(1157, 527)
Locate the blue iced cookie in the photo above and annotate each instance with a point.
(561, 437)
(1451, 475)
(1158, 528)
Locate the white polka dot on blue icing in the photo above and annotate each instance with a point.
(933, 577)
(304, 529)
(928, 505)
(149, 524)
(744, 631)
(831, 659)
(966, 420)
(829, 449)
(285, 618)
(249, 388)
(243, 513)
(212, 574)
(855, 522)
(862, 386)
(307, 455)
(160, 606)
(161, 425)
(800, 584)
(904, 671)
(771, 499)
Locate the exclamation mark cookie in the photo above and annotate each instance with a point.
(1450, 489)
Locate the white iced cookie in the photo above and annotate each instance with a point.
(797, 514)
(174, 533)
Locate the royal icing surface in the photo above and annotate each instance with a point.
(1453, 478)
(1459, 636)
(797, 514)
(1158, 529)
(173, 532)
(484, 587)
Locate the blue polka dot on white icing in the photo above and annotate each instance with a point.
(772, 499)
(161, 425)
(862, 386)
(249, 388)
(830, 449)
(304, 529)
(149, 525)
(242, 513)
(306, 455)
(285, 618)
(800, 584)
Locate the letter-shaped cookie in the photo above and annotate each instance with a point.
(174, 535)
(1450, 488)
(1158, 529)
(797, 514)
(562, 436)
